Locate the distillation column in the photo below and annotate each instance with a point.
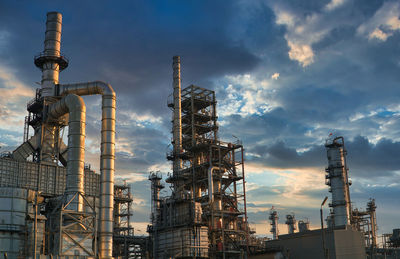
(371, 209)
(273, 217)
(337, 179)
(156, 187)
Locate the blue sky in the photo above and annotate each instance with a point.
(286, 74)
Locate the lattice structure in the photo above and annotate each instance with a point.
(208, 192)
(365, 221)
(125, 244)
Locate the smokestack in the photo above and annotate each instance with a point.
(177, 122)
(337, 179)
(50, 61)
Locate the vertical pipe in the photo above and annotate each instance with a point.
(52, 43)
(107, 157)
(177, 122)
(76, 108)
(245, 201)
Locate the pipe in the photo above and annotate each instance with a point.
(52, 42)
(210, 185)
(107, 157)
(76, 108)
(177, 122)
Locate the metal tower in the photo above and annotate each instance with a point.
(338, 180)
(273, 217)
(291, 223)
(208, 185)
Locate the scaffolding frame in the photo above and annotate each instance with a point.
(223, 210)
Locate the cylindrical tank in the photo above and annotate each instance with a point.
(12, 221)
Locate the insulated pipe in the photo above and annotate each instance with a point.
(210, 184)
(177, 122)
(213, 188)
(107, 157)
(52, 42)
(76, 108)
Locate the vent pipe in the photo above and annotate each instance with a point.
(177, 122)
(107, 157)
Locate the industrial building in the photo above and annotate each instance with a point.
(53, 205)
(205, 216)
(350, 233)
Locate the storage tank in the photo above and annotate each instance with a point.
(12, 221)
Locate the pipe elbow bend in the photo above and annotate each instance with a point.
(106, 88)
(67, 104)
(74, 101)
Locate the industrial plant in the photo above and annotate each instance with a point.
(53, 205)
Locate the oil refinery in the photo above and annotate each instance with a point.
(53, 205)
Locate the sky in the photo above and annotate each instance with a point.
(286, 75)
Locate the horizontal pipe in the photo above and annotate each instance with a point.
(75, 106)
(107, 157)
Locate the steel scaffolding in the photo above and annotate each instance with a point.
(208, 184)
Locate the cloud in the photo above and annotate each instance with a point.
(383, 24)
(275, 76)
(13, 97)
(301, 52)
(334, 4)
(245, 95)
(302, 30)
(334, 80)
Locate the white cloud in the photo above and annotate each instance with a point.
(379, 34)
(246, 95)
(275, 76)
(302, 32)
(383, 24)
(303, 53)
(334, 4)
(14, 95)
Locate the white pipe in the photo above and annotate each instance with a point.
(76, 108)
(211, 184)
(107, 157)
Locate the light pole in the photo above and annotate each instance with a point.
(322, 227)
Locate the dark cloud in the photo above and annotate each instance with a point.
(131, 45)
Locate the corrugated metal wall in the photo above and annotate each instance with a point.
(50, 178)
